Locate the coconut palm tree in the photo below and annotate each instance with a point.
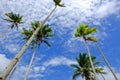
(95, 40)
(83, 67)
(83, 31)
(43, 35)
(7, 70)
(14, 19)
(106, 61)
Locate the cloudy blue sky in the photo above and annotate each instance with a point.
(54, 63)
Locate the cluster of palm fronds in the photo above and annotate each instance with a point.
(44, 33)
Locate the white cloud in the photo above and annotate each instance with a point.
(64, 19)
(108, 8)
(59, 61)
(75, 12)
(41, 71)
(13, 48)
(4, 61)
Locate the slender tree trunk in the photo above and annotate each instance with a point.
(12, 71)
(89, 54)
(8, 69)
(30, 64)
(107, 63)
(103, 76)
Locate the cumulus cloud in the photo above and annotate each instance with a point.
(59, 61)
(108, 8)
(41, 71)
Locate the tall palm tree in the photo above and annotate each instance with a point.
(106, 61)
(83, 67)
(83, 31)
(7, 70)
(95, 40)
(14, 19)
(43, 35)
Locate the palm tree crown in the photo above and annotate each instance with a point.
(15, 19)
(44, 33)
(83, 67)
(58, 3)
(83, 31)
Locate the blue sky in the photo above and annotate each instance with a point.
(54, 63)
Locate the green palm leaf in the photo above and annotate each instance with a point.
(75, 66)
(43, 35)
(84, 67)
(76, 73)
(14, 19)
(91, 30)
(47, 43)
(92, 39)
(100, 70)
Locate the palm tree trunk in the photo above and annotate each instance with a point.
(6, 72)
(12, 71)
(30, 64)
(89, 54)
(107, 63)
(103, 76)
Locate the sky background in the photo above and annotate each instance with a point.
(54, 63)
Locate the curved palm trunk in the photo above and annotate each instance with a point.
(103, 76)
(107, 63)
(8, 69)
(12, 71)
(89, 54)
(30, 64)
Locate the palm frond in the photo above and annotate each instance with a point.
(14, 19)
(76, 73)
(100, 70)
(43, 35)
(75, 66)
(47, 43)
(92, 39)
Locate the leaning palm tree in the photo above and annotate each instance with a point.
(14, 19)
(83, 31)
(7, 70)
(95, 40)
(43, 35)
(83, 67)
